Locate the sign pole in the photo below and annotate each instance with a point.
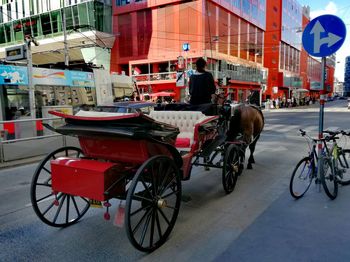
(321, 117)
(30, 78)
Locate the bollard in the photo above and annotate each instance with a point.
(39, 128)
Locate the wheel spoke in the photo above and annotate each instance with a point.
(87, 201)
(67, 208)
(51, 205)
(144, 230)
(146, 187)
(75, 205)
(48, 171)
(45, 183)
(139, 223)
(152, 228)
(167, 186)
(164, 216)
(59, 208)
(171, 193)
(138, 210)
(140, 198)
(158, 225)
(41, 199)
(164, 179)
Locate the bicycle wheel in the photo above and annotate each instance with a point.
(302, 176)
(344, 167)
(329, 179)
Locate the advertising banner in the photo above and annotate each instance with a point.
(13, 75)
(18, 75)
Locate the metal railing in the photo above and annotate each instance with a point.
(26, 138)
(155, 76)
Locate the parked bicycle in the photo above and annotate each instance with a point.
(335, 169)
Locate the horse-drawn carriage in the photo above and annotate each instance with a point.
(134, 157)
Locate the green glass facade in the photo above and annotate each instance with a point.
(86, 16)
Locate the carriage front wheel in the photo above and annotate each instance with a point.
(56, 208)
(231, 168)
(153, 203)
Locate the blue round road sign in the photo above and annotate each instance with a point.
(324, 35)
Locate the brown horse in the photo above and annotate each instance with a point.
(248, 121)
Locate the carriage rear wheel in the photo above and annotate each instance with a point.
(56, 209)
(153, 203)
(231, 168)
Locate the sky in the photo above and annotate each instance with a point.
(340, 8)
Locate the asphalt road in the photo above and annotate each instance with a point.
(259, 221)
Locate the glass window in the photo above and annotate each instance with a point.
(35, 22)
(46, 24)
(91, 12)
(83, 14)
(69, 18)
(17, 28)
(282, 56)
(107, 14)
(1, 15)
(56, 19)
(246, 7)
(99, 16)
(8, 32)
(234, 36)
(2, 35)
(75, 15)
(27, 30)
(244, 39)
(122, 2)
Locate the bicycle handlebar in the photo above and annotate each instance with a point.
(332, 135)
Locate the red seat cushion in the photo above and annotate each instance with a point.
(182, 142)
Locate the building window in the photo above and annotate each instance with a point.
(46, 24)
(123, 2)
(56, 20)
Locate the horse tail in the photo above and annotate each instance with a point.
(235, 124)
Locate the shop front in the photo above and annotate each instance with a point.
(51, 88)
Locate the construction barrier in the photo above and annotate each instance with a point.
(9, 130)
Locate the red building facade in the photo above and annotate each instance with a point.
(249, 45)
(151, 34)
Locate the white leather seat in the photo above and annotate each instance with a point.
(184, 120)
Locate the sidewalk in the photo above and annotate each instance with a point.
(297, 108)
(312, 228)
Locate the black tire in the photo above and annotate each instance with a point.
(344, 167)
(153, 203)
(59, 210)
(302, 176)
(231, 168)
(329, 179)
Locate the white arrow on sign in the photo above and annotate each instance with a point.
(330, 40)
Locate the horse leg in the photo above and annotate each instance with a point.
(252, 149)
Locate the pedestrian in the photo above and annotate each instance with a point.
(201, 85)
